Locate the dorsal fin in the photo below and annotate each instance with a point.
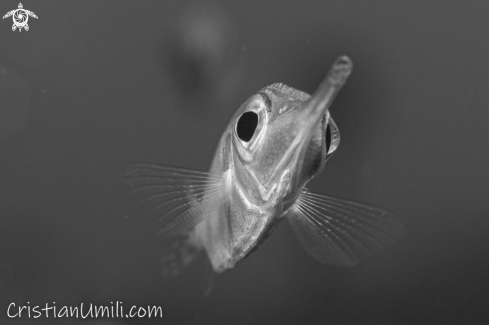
(289, 91)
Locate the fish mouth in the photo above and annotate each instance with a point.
(311, 113)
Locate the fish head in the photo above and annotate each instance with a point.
(279, 139)
(282, 138)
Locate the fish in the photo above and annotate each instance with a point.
(276, 142)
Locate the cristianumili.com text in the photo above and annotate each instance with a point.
(90, 310)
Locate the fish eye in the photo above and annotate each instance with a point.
(332, 138)
(328, 138)
(246, 126)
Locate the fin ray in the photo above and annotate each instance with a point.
(341, 232)
(179, 197)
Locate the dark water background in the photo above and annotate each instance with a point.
(96, 85)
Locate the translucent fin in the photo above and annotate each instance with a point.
(180, 198)
(341, 232)
(210, 278)
(178, 252)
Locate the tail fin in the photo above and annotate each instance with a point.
(178, 252)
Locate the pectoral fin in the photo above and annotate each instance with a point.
(180, 198)
(341, 232)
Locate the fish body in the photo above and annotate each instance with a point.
(276, 142)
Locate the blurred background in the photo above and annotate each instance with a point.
(94, 86)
